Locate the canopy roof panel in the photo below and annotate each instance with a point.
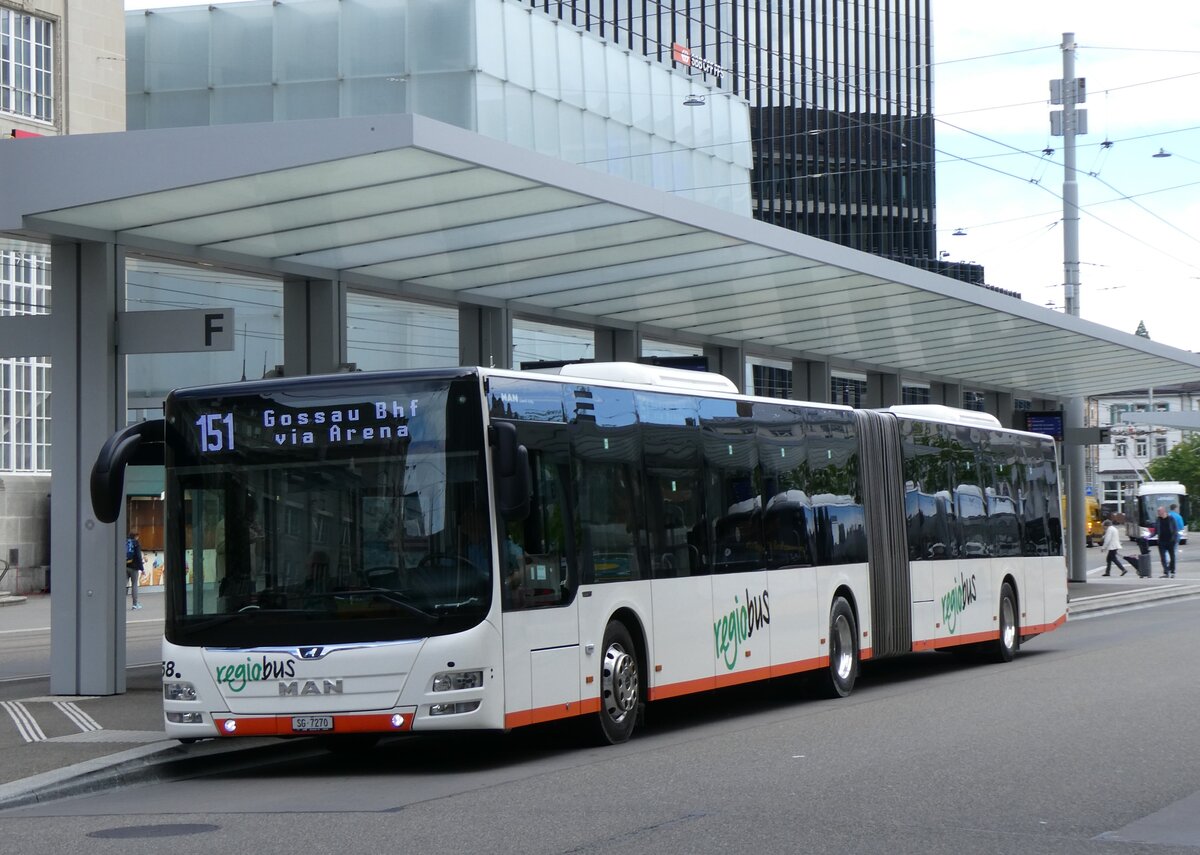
(407, 204)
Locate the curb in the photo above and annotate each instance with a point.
(1098, 603)
(158, 761)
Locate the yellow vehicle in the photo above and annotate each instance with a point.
(1095, 519)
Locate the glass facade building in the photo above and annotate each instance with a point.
(499, 68)
(840, 95)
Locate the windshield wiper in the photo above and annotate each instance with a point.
(459, 606)
(245, 613)
(388, 595)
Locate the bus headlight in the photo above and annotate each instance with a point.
(179, 691)
(185, 717)
(453, 709)
(449, 681)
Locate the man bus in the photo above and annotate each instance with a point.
(646, 533)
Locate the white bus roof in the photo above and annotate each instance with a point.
(942, 413)
(645, 375)
(1150, 487)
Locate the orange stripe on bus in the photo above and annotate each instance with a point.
(975, 638)
(799, 667)
(737, 678)
(704, 684)
(954, 640)
(1037, 629)
(687, 687)
(554, 712)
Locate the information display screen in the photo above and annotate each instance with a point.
(1049, 422)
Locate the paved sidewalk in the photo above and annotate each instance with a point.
(55, 746)
(1101, 593)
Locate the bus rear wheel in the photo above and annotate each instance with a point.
(838, 681)
(1006, 645)
(620, 685)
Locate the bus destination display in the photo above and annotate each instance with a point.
(268, 425)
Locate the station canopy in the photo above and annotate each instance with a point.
(415, 207)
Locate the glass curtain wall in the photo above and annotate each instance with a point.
(387, 333)
(493, 66)
(538, 341)
(840, 95)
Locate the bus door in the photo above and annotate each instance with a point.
(680, 564)
(538, 583)
(957, 581)
(733, 500)
(681, 589)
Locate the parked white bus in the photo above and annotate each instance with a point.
(482, 549)
(1141, 509)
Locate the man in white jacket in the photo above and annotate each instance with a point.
(1112, 543)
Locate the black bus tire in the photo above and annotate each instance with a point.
(839, 677)
(620, 685)
(1010, 627)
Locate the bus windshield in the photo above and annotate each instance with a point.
(323, 513)
(1149, 503)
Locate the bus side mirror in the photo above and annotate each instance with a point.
(107, 481)
(513, 480)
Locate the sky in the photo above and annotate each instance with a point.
(1000, 172)
(1139, 228)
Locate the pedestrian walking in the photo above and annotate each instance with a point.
(134, 564)
(1112, 545)
(1167, 533)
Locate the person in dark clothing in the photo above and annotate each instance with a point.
(1167, 533)
(134, 564)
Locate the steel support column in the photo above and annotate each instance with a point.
(87, 605)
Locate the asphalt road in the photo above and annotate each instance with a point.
(1086, 744)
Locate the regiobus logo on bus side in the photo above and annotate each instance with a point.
(956, 600)
(736, 628)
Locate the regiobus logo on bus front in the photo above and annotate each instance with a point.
(735, 628)
(236, 677)
(956, 600)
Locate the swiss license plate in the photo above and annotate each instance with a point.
(311, 723)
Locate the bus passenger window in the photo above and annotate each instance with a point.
(736, 505)
(611, 528)
(675, 522)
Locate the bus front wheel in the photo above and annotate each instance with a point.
(839, 678)
(620, 685)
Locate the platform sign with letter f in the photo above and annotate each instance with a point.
(176, 331)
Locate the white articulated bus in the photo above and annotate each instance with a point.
(483, 549)
(1141, 511)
